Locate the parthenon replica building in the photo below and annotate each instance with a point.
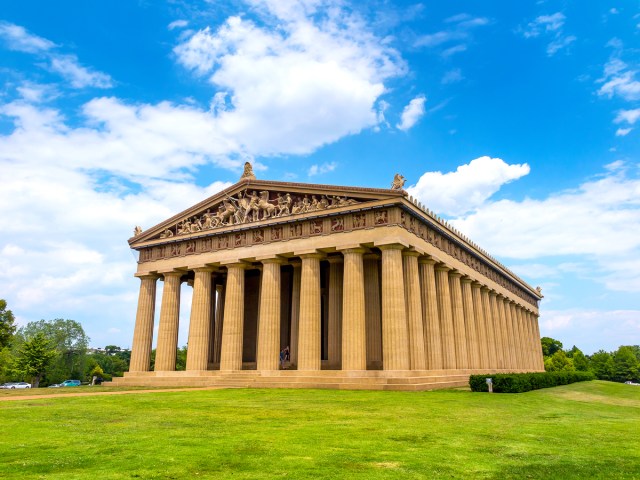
(366, 287)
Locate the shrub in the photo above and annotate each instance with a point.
(524, 382)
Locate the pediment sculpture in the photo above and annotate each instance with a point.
(252, 206)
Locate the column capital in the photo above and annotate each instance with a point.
(335, 259)
(441, 267)
(318, 255)
(455, 274)
(410, 253)
(145, 276)
(426, 260)
(295, 263)
(371, 256)
(203, 269)
(492, 293)
(171, 273)
(392, 246)
(240, 265)
(477, 284)
(359, 250)
(271, 260)
(466, 279)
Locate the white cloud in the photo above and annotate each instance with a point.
(315, 79)
(466, 189)
(77, 75)
(35, 93)
(623, 132)
(452, 76)
(177, 24)
(619, 80)
(628, 116)
(460, 31)
(549, 26)
(412, 112)
(324, 168)
(19, 39)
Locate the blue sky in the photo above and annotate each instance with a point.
(518, 123)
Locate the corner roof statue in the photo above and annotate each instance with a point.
(339, 274)
(248, 172)
(398, 182)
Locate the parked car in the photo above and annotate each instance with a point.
(55, 385)
(13, 385)
(70, 383)
(6, 385)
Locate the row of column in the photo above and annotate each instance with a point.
(402, 311)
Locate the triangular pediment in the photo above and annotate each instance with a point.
(261, 202)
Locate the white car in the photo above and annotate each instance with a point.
(13, 385)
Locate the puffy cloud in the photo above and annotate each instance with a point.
(77, 75)
(19, 39)
(619, 80)
(455, 193)
(177, 24)
(622, 132)
(293, 89)
(412, 112)
(628, 116)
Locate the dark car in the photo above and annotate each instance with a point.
(70, 383)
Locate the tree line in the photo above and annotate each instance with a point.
(51, 351)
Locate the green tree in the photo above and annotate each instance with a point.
(34, 356)
(601, 364)
(578, 358)
(70, 343)
(550, 346)
(558, 362)
(626, 365)
(7, 325)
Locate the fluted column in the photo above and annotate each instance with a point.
(395, 338)
(295, 310)
(481, 330)
(533, 343)
(503, 304)
(538, 352)
(143, 332)
(166, 349)
(470, 323)
(519, 336)
(430, 317)
(334, 314)
(354, 338)
(526, 326)
(217, 347)
(460, 335)
(496, 320)
(269, 332)
(413, 305)
(309, 340)
(373, 309)
(446, 317)
(200, 321)
(492, 342)
(233, 326)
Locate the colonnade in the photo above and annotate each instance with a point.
(396, 310)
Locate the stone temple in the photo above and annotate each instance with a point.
(366, 287)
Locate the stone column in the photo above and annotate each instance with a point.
(219, 326)
(143, 332)
(166, 349)
(295, 310)
(373, 310)
(470, 323)
(334, 316)
(539, 356)
(233, 326)
(413, 305)
(446, 317)
(430, 317)
(492, 341)
(496, 320)
(533, 341)
(200, 321)
(507, 333)
(526, 326)
(521, 345)
(481, 329)
(309, 348)
(460, 335)
(268, 356)
(395, 338)
(354, 337)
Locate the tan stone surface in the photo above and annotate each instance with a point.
(143, 333)
(354, 339)
(233, 325)
(481, 326)
(430, 316)
(373, 310)
(446, 317)
(413, 302)
(334, 314)
(395, 338)
(217, 347)
(295, 310)
(166, 349)
(309, 323)
(268, 356)
(470, 324)
(200, 322)
(459, 330)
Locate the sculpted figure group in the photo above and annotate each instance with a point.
(248, 207)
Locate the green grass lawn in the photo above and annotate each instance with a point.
(585, 430)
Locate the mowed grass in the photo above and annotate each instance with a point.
(584, 430)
